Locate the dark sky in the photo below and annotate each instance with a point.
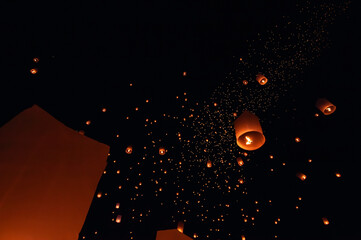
(90, 52)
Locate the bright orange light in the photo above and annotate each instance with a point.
(184, 74)
(301, 176)
(161, 151)
(117, 205)
(88, 122)
(36, 60)
(248, 140)
(297, 139)
(129, 150)
(118, 219)
(325, 221)
(338, 175)
(209, 164)
(33, 71)
(245, 82)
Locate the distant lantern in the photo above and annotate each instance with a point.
(35, 60)
(325, 221)
(117, 205)
(88, 122)
(297, 139)
(33, 71)
(118, 219)
(129, 150)
(209, 164)
(243, 237)
(301, 176)
(99, 195)
(161, 151)
(249, 132)
(261, 79)
(325, 106)
(245, 82)
(241, 181)
(104, 109)
(180, 226)
(184, 74)
(240, 161)
(338, 175)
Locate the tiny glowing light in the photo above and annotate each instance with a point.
(33, 71)
(36, 60)
(309, 160)
(325, 221)
(271, 156)
(317, 115)
(88, 122)
(118, 219)
(129, 150)
(162, 151)
(301, 176)
(338, 175)
(209, 164)
(240, 161)
(243, 237)
(215, 104)
(104, 109)
(180, 226)
(241, 181)
(117, 205)
(99, 195)
(234, 114)
(245, 82)
(297, 139)
(184, 74)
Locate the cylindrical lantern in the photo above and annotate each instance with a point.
(33, 71)
(301, 176)
(261, 79)
(129, 150)
(249, 132)
(325, 221)
(117, 205)
(161, 151)
(209, 164)
(180, 226)
(325, 106)
(118, 219)
(240, 161)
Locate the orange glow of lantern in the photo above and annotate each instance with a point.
(209, 164)
(338, 175)
(88, 122)
(184, 74)
(33, 71)
(301, 176)
(240, 161)
(245, 82)
(249, 132)
(118, 219)
(243, 237)
(99, 195)
(261, 79)
(104, 109)
(325, 221)
(180, 226)
(129, 150)
(35, 60)
(117, 205)
(161, 151)
(297, 139)
(241, 181)
(325, 106)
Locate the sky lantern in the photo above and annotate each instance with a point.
(117, 205)
(129, 150)
(36, 59)
(261, 79)
(240, 161)
(249, 132)
(118, 219)
(325, 221)
(245, 82)
(180, 226)
(184, 74)
(33, 71)
(301, 176)
(209, 164)
(241, 181)
(161, 151)
(243, 237)
(325, 106)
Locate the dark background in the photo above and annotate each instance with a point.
(91, 51)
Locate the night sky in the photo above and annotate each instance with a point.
(170, 74)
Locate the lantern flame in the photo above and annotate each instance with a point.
(249, 140)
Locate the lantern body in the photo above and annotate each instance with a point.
(240, 161)
(118, 219)
(261, 79)
(180, 226)
(209, 164)
(301, 176)
(161, 151)
(129, 150)
(33, 71)
(325, 221)
(325, 106)
(249, 132)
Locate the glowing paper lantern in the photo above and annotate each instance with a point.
(161, 151)
(180, 226)
(240, 161)
(245, 82)
(118, 219)
(249, 132)
(36, 60)
(117, 205)
(129, 150)
(301, 176)
(33, 71)
(209, 164)
(243, 237)
(261, 79)
(325, 106)
(325, 221)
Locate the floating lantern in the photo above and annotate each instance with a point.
(240, 161)
(99, 195)
(33, 71)
(104, 109)
(88, 122)
(325, 106)
(338, 175)
(117, 205)
(301, 176)
(118, 219)
(184, 74)
(325, 221)
(249, 132)
(180, 226)
(245, 82)
(241, 181)
(129, 150)
(243, 237)
(297, 139)
(209, 164)
(261, 79)
(36, 60)
(161, 151)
